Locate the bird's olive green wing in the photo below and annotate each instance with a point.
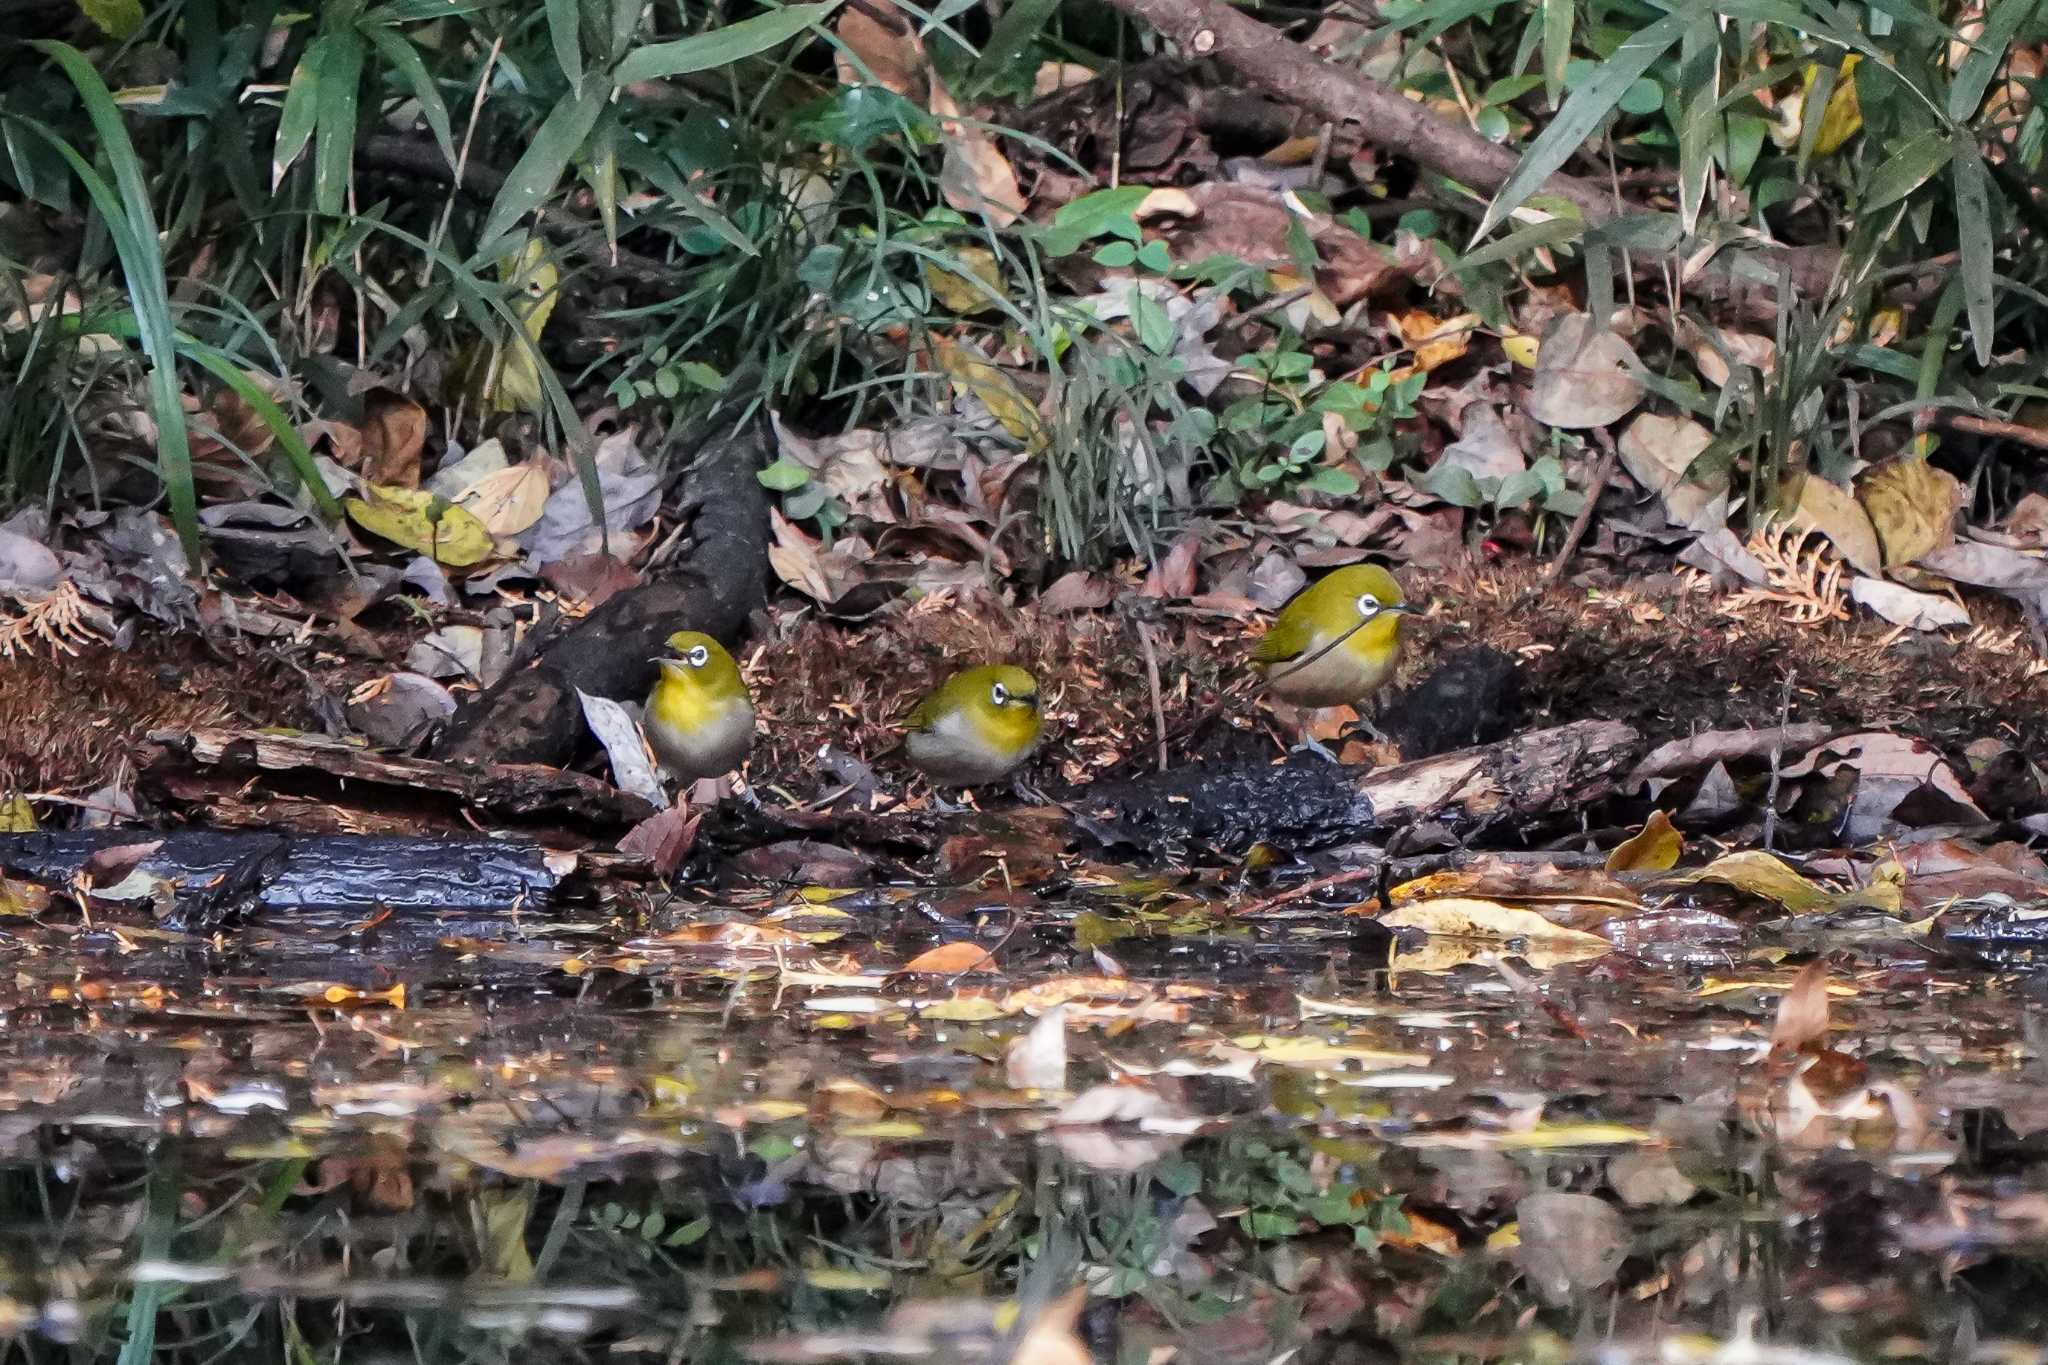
(1288, 639)
(926, 713)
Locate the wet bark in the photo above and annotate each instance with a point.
(533, 716)
(1308, 803)
(286, 872)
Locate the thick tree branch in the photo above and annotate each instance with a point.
(1387, 118)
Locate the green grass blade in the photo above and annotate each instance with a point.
(159, 1223)
(131, 220)
(1582, 113)
(334, 147)
(720, 47)
(1974, 244)
(223, 367)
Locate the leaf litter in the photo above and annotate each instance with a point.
(794, 1092)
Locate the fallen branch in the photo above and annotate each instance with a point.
(224, 772)
(1722, 746)
(1311, 803)
(1989, 427)
(1387, 118)
(533, 714)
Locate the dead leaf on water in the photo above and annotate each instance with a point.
(1802, 1010)
(1468, 918)
(1764, 875)
(949, 959)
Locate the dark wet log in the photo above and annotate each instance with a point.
(1308, 803)
(324, 872)
(533, 715)
(192, 761)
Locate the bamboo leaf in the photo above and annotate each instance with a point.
(1557, 45)
(1907, 169)
(1583, 111)
(1974, 244)
(406, 61)
(567, 39)
(539, 168)
(1699, 74)
(301, 108)
(721, 46)
(334, 145)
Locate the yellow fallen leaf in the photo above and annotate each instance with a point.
(972, 376)
(507, 501)
(885, 1129)
(1654, 849)
(1715, 985)
(963, 1009)
(976, 291)
(17, 816)
(1436, 341)
(847, 1281)
(1469, 917)
(1520, 349)
(1761, 874)
(1506, 1237)
(1913, 507)
(423, 523)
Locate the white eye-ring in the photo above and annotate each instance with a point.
(1368, 606)
(698, 656)
(999, 694)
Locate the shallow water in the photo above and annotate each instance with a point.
(742, 1130)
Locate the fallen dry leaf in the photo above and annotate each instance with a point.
(1802, 1009)
(1912, 506)
(950, 959)
(1584, 378)
(1655, 848)
(1834, 512)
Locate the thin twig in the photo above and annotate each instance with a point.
(1982, 426)
(1307, 889)
(1610, 456)
(1152, 680)
(1777, 763)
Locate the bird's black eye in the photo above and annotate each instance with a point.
(698, 656)
(999, 694)
(1368, 606)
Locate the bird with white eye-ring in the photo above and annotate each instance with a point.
(699, 719)
(1337, 642)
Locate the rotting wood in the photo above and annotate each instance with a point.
(515, 790)
(320, 872)
(532, 715)
(1312, 803)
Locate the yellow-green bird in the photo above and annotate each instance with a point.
(699, 718)
(977, 726)
(1337, 641)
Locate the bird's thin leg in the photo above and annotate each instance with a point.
(1308, 743)
(1027, 791)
